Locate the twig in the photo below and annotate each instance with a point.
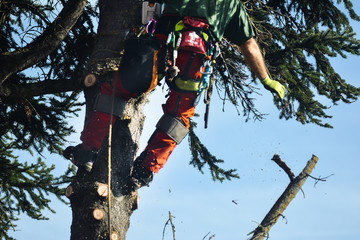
(167, 222)
(320, 179)
(172, 226)
(284, 218)
(7, 216)
(211, 237)
(206, 236)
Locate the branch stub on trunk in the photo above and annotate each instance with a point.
(114, 236)
(69, 191)
(102, 190)
(98, 213)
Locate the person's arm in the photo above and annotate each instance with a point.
(254, 58)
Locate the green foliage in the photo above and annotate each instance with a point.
(201, 157)
(35, 124)
(24, 188)
(231, 81)
(21, 21)
(298, 39)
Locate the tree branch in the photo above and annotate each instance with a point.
(276, 158)
(284, 200)
(44, 44)
(172, 226)
(11, 91)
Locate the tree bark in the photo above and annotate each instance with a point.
(98, 215)
(86, 198)
(284, 200)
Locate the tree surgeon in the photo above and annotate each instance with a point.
(185, 36)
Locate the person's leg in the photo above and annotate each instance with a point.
(171, 129)
(97, 122)
(179, 106)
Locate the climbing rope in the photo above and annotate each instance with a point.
(109, 151)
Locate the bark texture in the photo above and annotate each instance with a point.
(86, 197)
(88, 205)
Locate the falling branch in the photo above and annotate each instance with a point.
(284, 200)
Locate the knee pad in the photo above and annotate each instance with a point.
(173, 127)
(103, 103)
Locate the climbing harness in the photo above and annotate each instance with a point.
(192, 35)
(141, 52)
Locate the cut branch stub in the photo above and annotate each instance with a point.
(69, 191)
(102, 189)
(136, 201)
(90, 80)
(114, 236)
(98, 213)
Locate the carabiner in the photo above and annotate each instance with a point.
(208, 69)
(148, 25)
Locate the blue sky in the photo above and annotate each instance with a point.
(329, 210)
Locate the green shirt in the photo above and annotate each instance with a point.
(226, 17)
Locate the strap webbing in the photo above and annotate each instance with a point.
(109, 104)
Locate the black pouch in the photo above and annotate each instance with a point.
(139, 65)
(166, 23)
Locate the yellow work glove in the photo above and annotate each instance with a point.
(274, 86)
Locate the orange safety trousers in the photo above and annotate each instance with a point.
(160, 146)
(96, 126)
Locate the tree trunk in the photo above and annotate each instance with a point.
(88, 192)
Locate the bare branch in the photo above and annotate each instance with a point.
(284, 200)
(172, 226)
(211, 237)
(11, 91)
